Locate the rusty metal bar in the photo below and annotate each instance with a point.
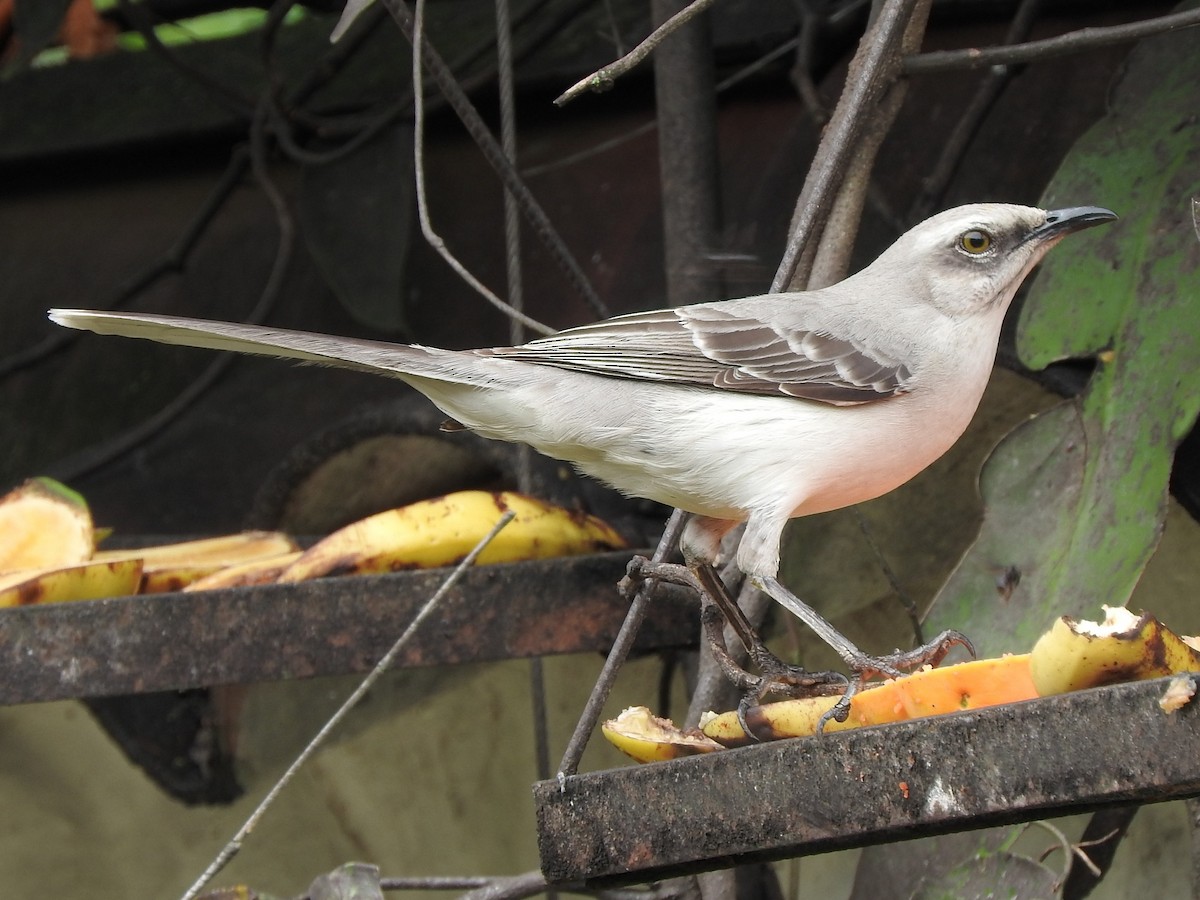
(130, 645)
(996, 766)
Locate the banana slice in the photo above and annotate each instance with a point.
(442, 531)
(1074, 655)
(44, 524)
(90, 581)
(639, 733)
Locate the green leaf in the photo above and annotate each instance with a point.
(1075, 498)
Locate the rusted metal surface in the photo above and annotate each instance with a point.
(165, 642)
(797, 797)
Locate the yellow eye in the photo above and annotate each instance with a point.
(975, 242)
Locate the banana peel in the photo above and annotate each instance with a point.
(639, 733)
(209, 553)
(172, 567)
(440, 532)
(43, 525)
(930, 692)
(258, 571)
(89, 581)
(45, 528)
(1076, 654)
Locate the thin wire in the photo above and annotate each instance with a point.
(234, 846)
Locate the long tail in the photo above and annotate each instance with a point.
(349, 353)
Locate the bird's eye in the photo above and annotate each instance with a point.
(975, 242)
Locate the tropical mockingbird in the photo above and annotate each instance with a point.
(753, 410)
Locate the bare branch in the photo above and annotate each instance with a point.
(432, 237)
(872, 71)
(1072, 42)
(602, 80)
(494, 154)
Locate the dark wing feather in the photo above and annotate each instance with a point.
(711, 346)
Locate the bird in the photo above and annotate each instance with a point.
(754, 410)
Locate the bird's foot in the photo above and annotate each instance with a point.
(900, 662)
(863, 667)
(773, 675)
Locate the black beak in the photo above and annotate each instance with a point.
(1076, 218)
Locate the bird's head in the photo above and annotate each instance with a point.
(971, 259)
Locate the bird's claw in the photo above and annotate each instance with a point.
(897, 664)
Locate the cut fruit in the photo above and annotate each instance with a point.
(931, 692)
(259, 571)
(210, 553)
(1077, 654)
(44, 524)
(639, 733)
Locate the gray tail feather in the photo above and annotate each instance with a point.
(348, 353)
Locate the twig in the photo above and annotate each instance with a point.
(649, 127)
(872, 70)
(616, 656)
(602, 80)
(510, 888)
(1063, 844)
(494, 155)
(231, 849)
(1105, 831)
(965, 129)
(435, 883)
(1072, 42)
(432, 237)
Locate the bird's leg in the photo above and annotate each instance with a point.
(891, 665)
(718, 607)
(774, 673)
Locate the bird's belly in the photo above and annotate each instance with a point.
(724, 455)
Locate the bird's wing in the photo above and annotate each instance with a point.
(724, 347)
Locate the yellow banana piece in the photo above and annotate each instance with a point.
(44, 524)
(1074, 655)
(442, 531)
(639, 733)
(90, 581)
